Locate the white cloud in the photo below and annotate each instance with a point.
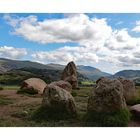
(121, 50)
(136, 29)
(66, 54)
(12, 53)
(97, 41)
(73, 28)
(121, 40)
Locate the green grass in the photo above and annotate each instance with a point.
(30, 91)
(74, 93)
(4, 100)
(30, 114)
(87, 82)
(48, 114)
(84, 91)
(119, 118)
(11, 87)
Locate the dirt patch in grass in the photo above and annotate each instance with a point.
(4, 100)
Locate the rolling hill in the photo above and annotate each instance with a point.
(87, 71)
(91, 72)
(53, 71)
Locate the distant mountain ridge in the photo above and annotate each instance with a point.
(132, 74)
(91, 72)
(87, 71)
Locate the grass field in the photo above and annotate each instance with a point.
(87, 82)
(11, 87)
(16, 109)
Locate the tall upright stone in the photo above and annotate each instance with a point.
(69, 74)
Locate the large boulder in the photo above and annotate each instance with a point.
(58, 100)
(69, 74)
(34, 83)
(107, 96)
(63, 84)
(129, 89)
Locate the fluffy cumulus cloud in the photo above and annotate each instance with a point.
(12, 53)
(97, 41)
(73, 28)
(66, 54)
(124, 49)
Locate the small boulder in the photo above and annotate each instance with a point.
(34, 83)
(69, 74)
(107, 96)
(135, 109)
(63, 84)
(58, 100)
(129, 89)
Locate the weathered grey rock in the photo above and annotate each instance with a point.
(107, 96)
(73, 81)
(63, 84)
(69, 74)
(135, 109)
(35, 83)
(58, 100)
(129, 89)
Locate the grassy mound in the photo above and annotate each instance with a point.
(30, 91)
(117, 118)
(42, 114)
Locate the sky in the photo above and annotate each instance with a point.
(109, 42)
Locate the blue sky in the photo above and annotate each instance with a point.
(110, 42)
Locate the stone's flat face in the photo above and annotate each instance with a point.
(58, 99)
(63, 84)
(35, 83)
(107, 96)
(69, 74)
(129, 89)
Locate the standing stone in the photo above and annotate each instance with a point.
(69, 74)
(129, 89)
(63, 84)
(107, 96)
(58, 100)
